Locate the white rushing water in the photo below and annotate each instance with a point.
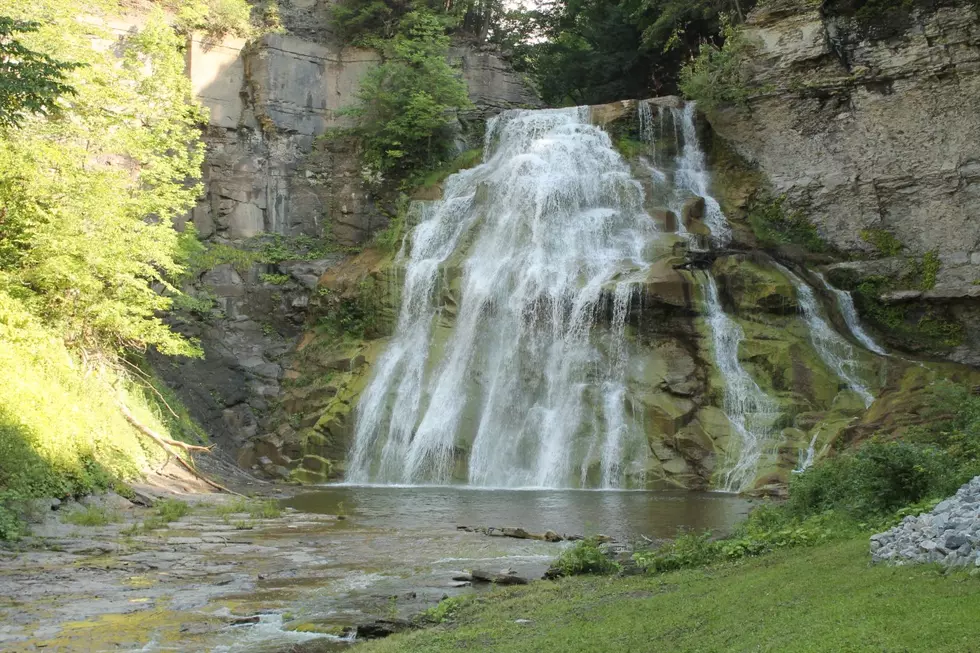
(833, 350)
(691, 176)
(846, 304)
(749, 409)
(523, 256)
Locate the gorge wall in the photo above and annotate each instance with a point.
(871, 129)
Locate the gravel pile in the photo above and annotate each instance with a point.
(949, 535)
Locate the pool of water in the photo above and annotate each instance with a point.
(619, 514)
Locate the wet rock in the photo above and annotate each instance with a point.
(381, 628)
(507, 577)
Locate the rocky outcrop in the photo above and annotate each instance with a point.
(872, 127)
(949, 534)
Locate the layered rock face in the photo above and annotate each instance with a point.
(871, 127)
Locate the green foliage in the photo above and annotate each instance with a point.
(629, 148)
(583, 557)
(170, 510)
(406, 103)
(876, 479)
(83, 243)
(773, 225)
(928, 269)
(953, 416)
(768, 528)
(462, 161)
(274, 279)
(30, 82)
(269, 509)
(715, 78)
(216, 18)
(883, 241)
(89, 258)
(443, 611)
(687, 550)
(92, 516)
(923, 328)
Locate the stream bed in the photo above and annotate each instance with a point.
(221, 582)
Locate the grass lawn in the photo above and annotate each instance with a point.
(826, 598)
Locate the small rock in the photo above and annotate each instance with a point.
(242, 621)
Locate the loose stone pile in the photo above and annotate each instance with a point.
(949, 535)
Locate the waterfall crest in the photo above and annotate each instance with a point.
(523, 256)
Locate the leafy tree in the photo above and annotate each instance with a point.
(592, 51)
(87, 204)
(406, 103)
(30, 82)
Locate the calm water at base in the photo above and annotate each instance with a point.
(623, 515)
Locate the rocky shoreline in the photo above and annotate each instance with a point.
(225, 573)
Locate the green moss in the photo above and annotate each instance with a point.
(462, 161)
(927, 270)
(773, 225)
(883, 241)
(630, 148)
(911, 326)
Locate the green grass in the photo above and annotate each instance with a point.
(92, 516)
(256, 509)
(824, 598)
(171, 510)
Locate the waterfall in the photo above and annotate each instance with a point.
(691, 176)
(805, 459)
(846, 304)
(523, 256)
(750, 411)
(835, 352)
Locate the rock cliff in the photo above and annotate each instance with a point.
(871, 128)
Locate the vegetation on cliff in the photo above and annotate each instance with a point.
(99, 154)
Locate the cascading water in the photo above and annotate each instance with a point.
(846, 304)
(749, 410)
(525, 254)
(835, 352)
(691, 175)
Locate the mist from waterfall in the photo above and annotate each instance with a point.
(496, 374)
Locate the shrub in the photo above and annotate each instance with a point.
(217, 18)
(170, 510)
(583, 557)
(883, 241)
(688, 550)
(715, 78)
(406, 103)
(92, 516)
(878, 478)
